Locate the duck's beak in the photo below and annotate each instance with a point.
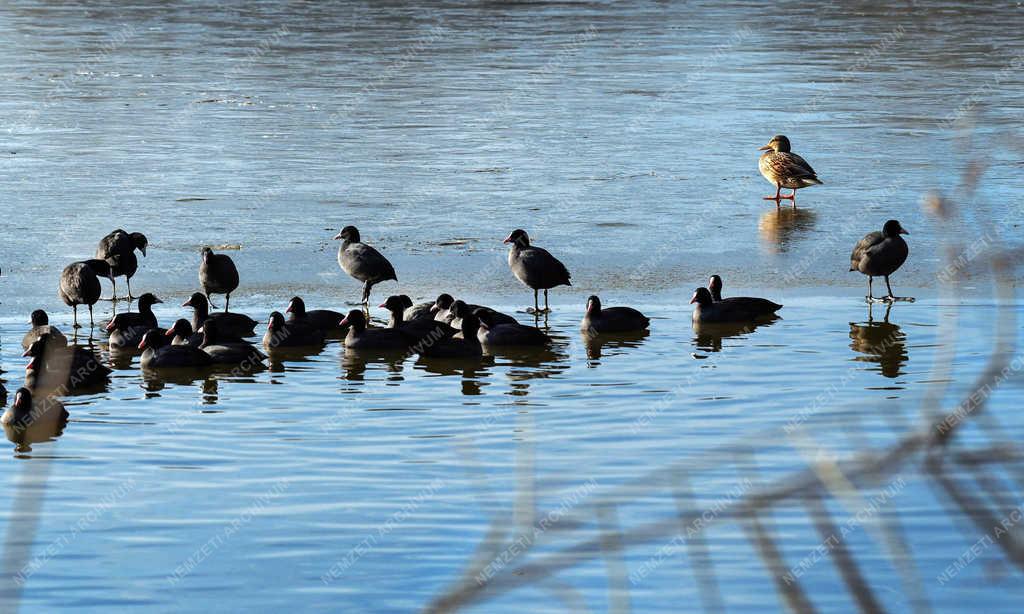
(903, 231)
(187, 303)
(765, 148)
(693, 299)
(26, 353)
(344, 321)
(170, 332)
(383, 305)
(110, 326)
(289, 310)
(508, 239)
(338, 236)
(156, 300)
(31, 365)
(434, 308)
(143, 250)
(142, 344)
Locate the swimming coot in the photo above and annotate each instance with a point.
(466, 347)
(611, 319)
(281, 334)
(360, 337)
(415, 330)
(323, 320)
(182, 334)
(226, 352)
(740, 309)
(41, 326)
(492, 333)
(230, 325)
(760, 306)
(157, 353)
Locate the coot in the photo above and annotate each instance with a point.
(118, 249)
(880, 254)
(611, 319)
(281, 334)
(535, 267)
(218, 275)
(362, 262)
(41, 326)
(158, 354)
(323, 320)
(80, 285)
(230, 325)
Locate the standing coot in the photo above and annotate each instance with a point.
(880, 254)
(80, 285)
(362, 262)
(535, 267)
(218, 275)
(118, 249)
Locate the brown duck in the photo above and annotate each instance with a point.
(785, 169)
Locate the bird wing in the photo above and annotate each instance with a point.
(788, 164)
(114, 244)
(870, 240)
(538, 260)
(366, 261)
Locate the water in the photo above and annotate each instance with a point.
(624, 139)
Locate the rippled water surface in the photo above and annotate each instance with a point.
(623, 137)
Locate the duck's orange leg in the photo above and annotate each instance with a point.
(777, 197)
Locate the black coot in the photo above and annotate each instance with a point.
(218, 275)
(362, 262)
(80, 285)
(535, 267)
(118, 249)
(229, 324)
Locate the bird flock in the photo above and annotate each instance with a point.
(445, 328)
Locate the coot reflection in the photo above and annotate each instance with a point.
(708, 337)
(595, 344)
(882, 342)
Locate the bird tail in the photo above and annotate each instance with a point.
(813, 181)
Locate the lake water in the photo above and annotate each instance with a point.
(623, 137)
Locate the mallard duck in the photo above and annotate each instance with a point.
(880, 254)
(785, 169)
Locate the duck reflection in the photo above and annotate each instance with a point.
(880, 342)
(781, 226)
(708, 337)
(33, 419)
(596, 343)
